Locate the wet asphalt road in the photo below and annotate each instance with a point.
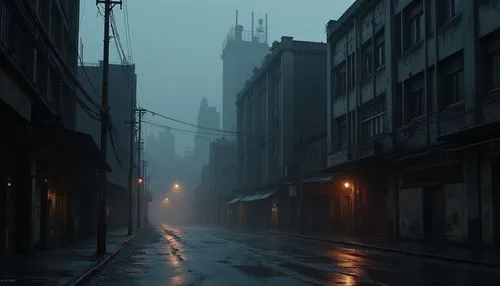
(210, 256)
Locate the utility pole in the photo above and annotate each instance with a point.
(140, 113)
(145, 190)
(149, 197)
(131, 166)
(300, 187)
(102, 224)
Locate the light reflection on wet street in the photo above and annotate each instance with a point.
(196, 255)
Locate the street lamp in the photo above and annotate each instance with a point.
(347, 185)
(140, 180)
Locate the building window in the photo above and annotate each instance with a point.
(379, 51)
(493, 65)
(454, 85)
(367, 60)
(35, 66)
(415, 97)
(414, 28)
(51, 204)
(351, 70)
(452, 88)
(342, 131)
(373, 119)
(452, 8)
(340, 80)
(417, 103)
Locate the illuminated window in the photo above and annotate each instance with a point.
(51, 203)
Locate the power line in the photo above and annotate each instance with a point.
(74, 44)
(190, 124)
(191, 132)
(64, 69)
(118, 43)
(127, 30)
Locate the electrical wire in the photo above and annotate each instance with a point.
(116, 146)
(189, 132)
(190, 124)
(127, 30)
(116, 38)
(67, 70)
(64, 69)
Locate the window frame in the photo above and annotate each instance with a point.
(373, 119)
(342, 131)
(379, 54)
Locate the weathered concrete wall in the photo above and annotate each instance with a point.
(456, 212)
(411, 213)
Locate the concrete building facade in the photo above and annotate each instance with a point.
(411, 122)
(122, 102)
(44, 163)
(208, 121)
(281, 124)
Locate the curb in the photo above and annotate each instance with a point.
(89, 274)
(395, 250)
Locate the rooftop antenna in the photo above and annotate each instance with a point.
(81, 49)
(266, 28)
(252, 24)
(236, 17)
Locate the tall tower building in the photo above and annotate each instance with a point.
(208, 117)
(242, 51)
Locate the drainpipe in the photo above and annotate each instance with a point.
(479, 199)
(392, 61)
(426, 91)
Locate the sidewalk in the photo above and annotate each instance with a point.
(63, 266)
(484, 256)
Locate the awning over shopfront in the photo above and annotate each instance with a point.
(319, 180)
(254, 197)
(71, 146)
(235, 200)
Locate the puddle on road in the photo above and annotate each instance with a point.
(212, 242)
(164, 253)
(259, 271)
(318, 259)
(307, 271)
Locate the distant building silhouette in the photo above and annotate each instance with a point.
(122, 102)
(122, 93)
(208, 119)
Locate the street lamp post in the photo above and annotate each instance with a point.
(349, 186)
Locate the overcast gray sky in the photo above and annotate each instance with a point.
(176, 45)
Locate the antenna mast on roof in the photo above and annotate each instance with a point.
(252, 24)
(81, 49)
(266, 28)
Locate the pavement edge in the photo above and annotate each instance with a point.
(90, 273)
(395, 250)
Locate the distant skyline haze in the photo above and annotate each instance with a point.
(176, 46)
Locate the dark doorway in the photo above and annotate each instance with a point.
(495, 194)
(434, 214)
